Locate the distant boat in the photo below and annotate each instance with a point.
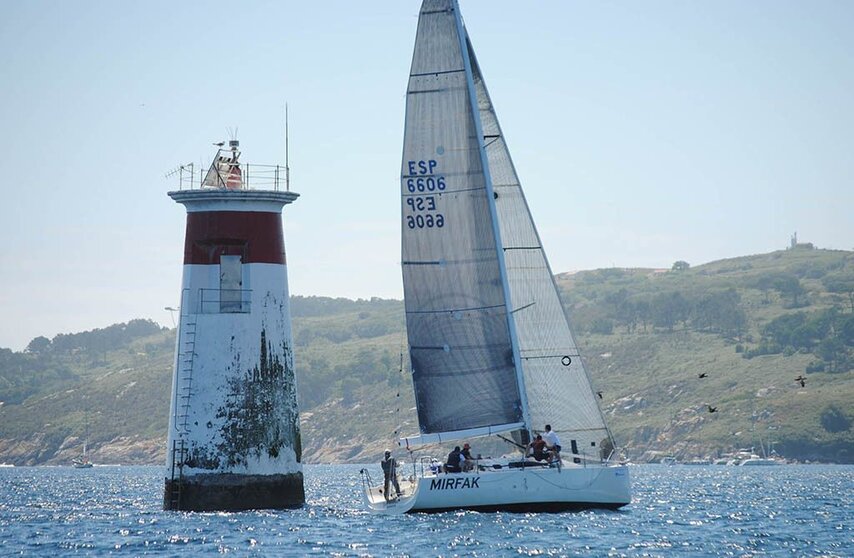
(754, 461)
(6, 465)
(82, 461)
(668, 460)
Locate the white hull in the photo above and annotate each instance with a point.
(759, 462)
(534, 488)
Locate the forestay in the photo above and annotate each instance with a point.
(456, 311)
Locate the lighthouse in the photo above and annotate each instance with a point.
(234, 438)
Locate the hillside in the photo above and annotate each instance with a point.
(751, 324)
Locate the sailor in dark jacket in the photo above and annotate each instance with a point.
(454, 459)
(389, 465)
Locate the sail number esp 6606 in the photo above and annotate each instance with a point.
(422, 210)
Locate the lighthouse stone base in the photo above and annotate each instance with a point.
(230, 492)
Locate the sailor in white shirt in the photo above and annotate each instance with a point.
(552, 442)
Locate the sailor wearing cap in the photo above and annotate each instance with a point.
(467, 461)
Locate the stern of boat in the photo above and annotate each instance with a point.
(376, 501)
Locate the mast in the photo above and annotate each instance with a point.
(490, 192)
(287, 166)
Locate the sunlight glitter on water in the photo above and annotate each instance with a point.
(708, 511)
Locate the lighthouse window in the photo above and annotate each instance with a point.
(231, 284)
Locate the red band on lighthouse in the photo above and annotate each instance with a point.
(256, 236)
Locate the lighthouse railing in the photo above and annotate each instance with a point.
(251, 177)
(225, 301)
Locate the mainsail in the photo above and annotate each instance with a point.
(481, 302)
(456, 309)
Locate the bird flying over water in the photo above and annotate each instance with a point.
(599, 393)
(801, 380)
(703, 375)
(712, 409)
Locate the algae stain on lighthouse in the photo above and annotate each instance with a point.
(259, 411)
(234, 440)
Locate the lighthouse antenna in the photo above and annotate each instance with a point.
(287, 166)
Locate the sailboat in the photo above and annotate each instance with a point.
(753, 459)
(82, 461)
(490, 346)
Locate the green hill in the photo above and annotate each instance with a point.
(750, 324)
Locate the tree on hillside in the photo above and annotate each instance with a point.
(620, 308)
(828, 334)
(668, 309)
(681, 265)
(641, 311)
(38, 345)
(834, 419)
(314, 380)
(721, 312)
(765, 283)
(97, 341)
(840, 283)
(832, 351)
(786, 330)
(789, 285)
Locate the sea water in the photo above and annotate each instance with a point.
(796, 510)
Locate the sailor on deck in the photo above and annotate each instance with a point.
(389, 465)
(552, 443)
(455, 461)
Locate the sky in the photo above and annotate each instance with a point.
(643, 133)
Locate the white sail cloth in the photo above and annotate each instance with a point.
(456, 312)
(470, 250)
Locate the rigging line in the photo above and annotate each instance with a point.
(433, 12)
(494, 138)
(509, 441)
(581, 430)
(437, 73)
(523, 307)
(427, 91)
(551, 350)
(446, 262)
(457, 347)
(452, 310)
(545, 356)
(436, 262)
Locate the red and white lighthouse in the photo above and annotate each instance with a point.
(234, 438)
